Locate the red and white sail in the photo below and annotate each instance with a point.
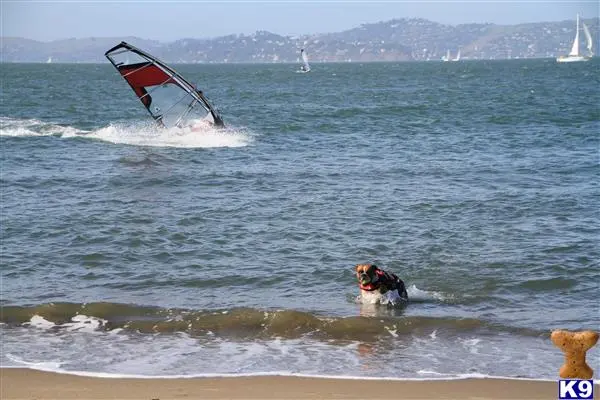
(168, 97)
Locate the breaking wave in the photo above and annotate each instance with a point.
(241, 323)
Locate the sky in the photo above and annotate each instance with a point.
(171, 20)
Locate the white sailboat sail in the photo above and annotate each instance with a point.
(588, 38)
(447, 56)
(457, 56)
(305, 66)
(575, 48)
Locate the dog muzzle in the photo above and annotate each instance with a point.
(364, 278)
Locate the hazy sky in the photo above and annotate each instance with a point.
(170, 20)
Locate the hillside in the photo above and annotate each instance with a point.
(394, 40)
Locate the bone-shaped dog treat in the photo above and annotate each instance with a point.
(575, 345)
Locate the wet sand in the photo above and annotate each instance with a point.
(17, 383)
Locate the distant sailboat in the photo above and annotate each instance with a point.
(457, 56)
(574, 55)
(305, 67)
(447, 56)
(49, 60)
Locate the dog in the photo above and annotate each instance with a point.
(379, 286)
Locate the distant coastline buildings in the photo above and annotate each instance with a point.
(394, 40)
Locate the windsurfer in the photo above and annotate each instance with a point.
(218, 121)
(180, 102)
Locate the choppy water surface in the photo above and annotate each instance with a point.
(131, 250)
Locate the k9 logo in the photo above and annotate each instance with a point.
(575, 389)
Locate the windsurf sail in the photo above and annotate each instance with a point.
(305, 67)
(168, 97)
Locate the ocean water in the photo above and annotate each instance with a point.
(127, 249)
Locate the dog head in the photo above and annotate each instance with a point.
(365, 274)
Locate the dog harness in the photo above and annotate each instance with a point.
(385, 279)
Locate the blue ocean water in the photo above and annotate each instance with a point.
(127, 249)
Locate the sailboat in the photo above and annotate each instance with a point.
(447, 56)
(457, 56)
(305, 67)
(574, 55)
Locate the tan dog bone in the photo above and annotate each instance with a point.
(575, 345)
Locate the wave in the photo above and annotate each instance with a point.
(425, 374)
(135, 134)
(244, 323)
(33, 127)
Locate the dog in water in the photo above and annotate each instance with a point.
(379, 286)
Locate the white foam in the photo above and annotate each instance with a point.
(391, 298)
(104, 353)
(415, 294)
(30, 127)
(18, 132)
(439, 377)
(45, 365)
(199, 135)
(393, 332)
(150, 135)
(80, 323)
(39, 322)
(471, 344)
(83, 323)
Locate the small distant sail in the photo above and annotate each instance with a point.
(49, 60)
(447, 56)
(575, 48)
(170, 99)
(457, 56)
(588, 38)
(305, 67)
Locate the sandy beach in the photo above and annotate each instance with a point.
(17, 383)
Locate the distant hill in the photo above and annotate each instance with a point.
(394, 40)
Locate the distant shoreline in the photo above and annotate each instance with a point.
(395, 40)
(295, 63)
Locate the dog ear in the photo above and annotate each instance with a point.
(361, 268)
(372, 268)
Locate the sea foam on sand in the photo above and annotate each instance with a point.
(26, 383)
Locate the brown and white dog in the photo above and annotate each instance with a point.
(378, 286)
